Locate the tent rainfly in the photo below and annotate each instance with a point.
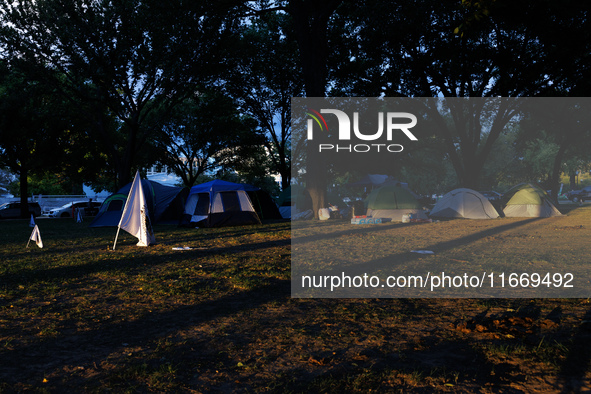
(220, 203)
(464, 203)
(393, 202)
(528, 201)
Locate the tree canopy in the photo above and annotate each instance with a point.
(206, 85)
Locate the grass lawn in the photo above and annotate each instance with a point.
(77, 316)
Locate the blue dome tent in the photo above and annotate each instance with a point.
(221, 203)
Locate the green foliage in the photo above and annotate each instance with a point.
(205, 133)
(117, 59)
(113, 75)
(539, 155)
(462, 49)
(265, 58)
(48, 184)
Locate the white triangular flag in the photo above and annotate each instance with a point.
(78, 216)
(32, 222)
(135, 218)
(36, 237)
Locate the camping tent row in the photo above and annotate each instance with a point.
(523, 200)
(220, 203)
(391, 201)
(212, 204)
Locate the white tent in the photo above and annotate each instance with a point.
(464, 203)
(135, 218)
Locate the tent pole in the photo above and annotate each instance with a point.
(115, 243)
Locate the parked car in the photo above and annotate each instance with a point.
(579, 195)
(491, 195)
(67, 210)
(13, 210)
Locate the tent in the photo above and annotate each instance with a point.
(393, 202)
(220, 203)
(528, 200)
(464, 203)
(294, 199)
(135, 218)
(165, 204)
(263, 204)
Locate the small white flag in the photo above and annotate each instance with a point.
(36, 237)
(78, 216)
(32, 222)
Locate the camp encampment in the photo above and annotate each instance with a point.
(528, 200)
(220, 203)
(393, 202)
(464, 203)
(165, 204)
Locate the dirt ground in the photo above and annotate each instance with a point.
(76, 317)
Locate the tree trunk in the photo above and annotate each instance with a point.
(285, 178)
(473, 165)
(311, 24)
(556, 171)
(573, 180)
(126, 163)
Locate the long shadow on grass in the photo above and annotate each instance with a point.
(88, 349)
(464, 240)
(390, 262)
(196, 234)
(349, 231)
(29, 357)
(139, 262)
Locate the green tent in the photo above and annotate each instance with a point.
(393, 202)
(528, 200)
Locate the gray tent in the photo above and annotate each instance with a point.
(464, 203)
